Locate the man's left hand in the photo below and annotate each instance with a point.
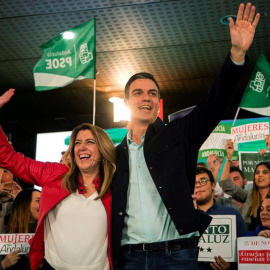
(242, 31)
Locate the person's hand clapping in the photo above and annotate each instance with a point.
(4, 189)
(267, 141)
(194, 196)
(220, 264)
(214, 162)
(11, 259)
(229, 147)
(5, 98)
(15, 190)
(264, 233)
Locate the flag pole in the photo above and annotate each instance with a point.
(95, 74)
(94, 103)
(237, 112)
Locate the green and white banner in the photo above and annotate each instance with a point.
(247, 135)
(257, 95)
(69, 56)
(215, 143)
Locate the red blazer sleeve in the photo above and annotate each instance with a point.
(27, 169)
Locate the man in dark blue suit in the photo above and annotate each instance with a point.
(154, 222)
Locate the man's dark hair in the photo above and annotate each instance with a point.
(140, 75)
(201, 170)
(236, 169)
(202, 164)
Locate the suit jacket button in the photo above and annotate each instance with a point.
(120, 213)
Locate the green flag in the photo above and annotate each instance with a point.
(67, 57)
(257, 95)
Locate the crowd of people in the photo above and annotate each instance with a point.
(248, 205)
(143, 204)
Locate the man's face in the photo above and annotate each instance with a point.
(238, 179)
(265, 213)
(143, 101)
(204, 193)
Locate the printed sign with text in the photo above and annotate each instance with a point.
(253, 253)
(219, 239)
(12, 242)
(249, 161)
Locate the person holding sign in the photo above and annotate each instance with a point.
(251, 199)
(74, 225)
(204, 199)
(23, 219)
(9, 189)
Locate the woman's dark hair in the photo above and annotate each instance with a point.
(20, 215)
(256, 197)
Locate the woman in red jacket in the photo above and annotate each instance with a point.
(74, 224)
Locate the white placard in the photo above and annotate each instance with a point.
(253, 253)
(249, 132)
(11, 242)
(219, 239)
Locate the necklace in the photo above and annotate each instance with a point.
(92, 184)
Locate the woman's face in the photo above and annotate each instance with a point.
(265, 213)
(262, 177)
(34, 206)
(86, 153)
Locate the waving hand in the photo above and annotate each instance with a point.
(243, 31)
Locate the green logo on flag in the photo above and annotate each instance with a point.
(67, 57)
(256, 98)
(258, 83)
